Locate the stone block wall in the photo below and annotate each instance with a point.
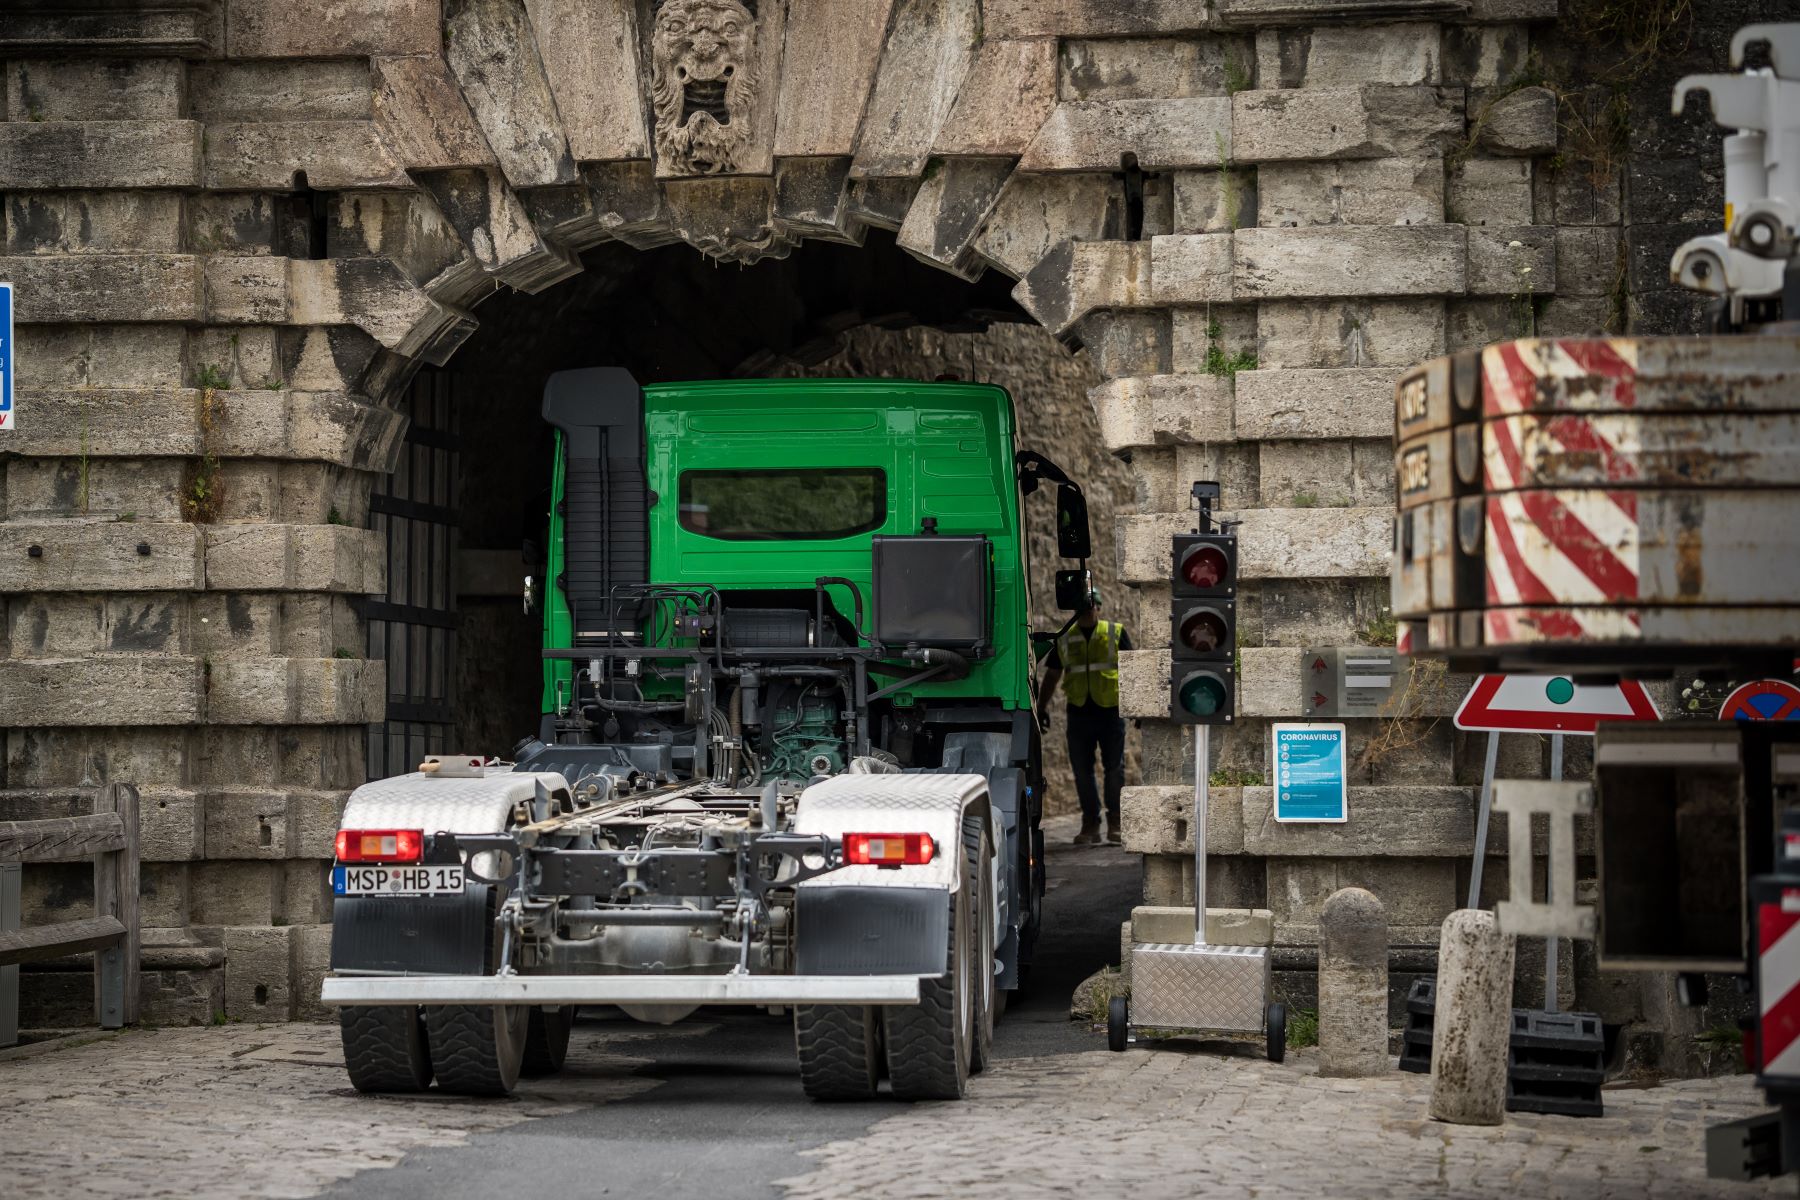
(238, 227)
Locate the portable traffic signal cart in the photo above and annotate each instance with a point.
(1197, 986)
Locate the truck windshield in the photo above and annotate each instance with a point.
(783, 503)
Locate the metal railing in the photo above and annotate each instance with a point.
(109, 836)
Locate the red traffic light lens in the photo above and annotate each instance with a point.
(1205, 567)
(1203, 630)
(1202, 694)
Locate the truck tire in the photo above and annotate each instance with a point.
(928, 1042)
(477, 1049)
(547, 1040)
(385, 1048)
(840, 1050)
(986, 995)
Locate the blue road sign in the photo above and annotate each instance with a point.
(1311, 783)
(6, 356)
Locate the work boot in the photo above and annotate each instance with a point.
(1113, 831)
(1089, 835)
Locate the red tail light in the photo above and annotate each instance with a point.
(888, 849)
(380, 845)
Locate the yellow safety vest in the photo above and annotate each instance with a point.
(1090, 665)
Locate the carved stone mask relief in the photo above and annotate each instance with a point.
(702, 84)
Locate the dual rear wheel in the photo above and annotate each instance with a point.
(928, 1049)
(469, 1049)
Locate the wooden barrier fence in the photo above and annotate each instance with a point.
(109, 836)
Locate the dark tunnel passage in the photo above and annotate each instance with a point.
(465, 512)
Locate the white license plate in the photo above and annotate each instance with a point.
(397, 881)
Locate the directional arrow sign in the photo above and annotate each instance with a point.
(1550, 704)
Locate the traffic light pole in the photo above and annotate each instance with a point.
(1202, 800)
(1551, 947)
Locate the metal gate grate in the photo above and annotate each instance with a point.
(413, 627)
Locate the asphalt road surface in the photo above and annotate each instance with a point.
(726, 1117)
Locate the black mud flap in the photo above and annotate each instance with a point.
(871, 930)
(420, 935)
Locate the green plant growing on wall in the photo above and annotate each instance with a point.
(1379, 631)
(1720, 1037)
(1228, 193)
(211, 377)
(1236, 777)
(1303, 1028)
(203, 492)
(1524, 315)
(1306, 500)
(1219, 362)
(1237, 75)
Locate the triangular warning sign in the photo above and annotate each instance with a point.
(1550, 704)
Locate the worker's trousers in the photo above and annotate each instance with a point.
(1093, 728)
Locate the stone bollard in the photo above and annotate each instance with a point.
(1353, 986)
(1473, 1022)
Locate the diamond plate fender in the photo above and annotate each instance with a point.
(932, 804)
(478, 804)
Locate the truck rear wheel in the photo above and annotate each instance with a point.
(385, 1048)
(477, 1049)
(840, 1050)
(928, 1042)
(547, 1040)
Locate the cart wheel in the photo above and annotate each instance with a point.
(1118, 1023)
(1276, 1018)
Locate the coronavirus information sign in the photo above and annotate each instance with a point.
(1311, 783)
(6, 357)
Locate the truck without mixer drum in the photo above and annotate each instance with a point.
(786, 757)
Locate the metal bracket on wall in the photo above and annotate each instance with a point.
(1559, 916)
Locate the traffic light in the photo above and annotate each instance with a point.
(1203, 629)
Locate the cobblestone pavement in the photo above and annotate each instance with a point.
(248, 1111)
(1180, 1120)
(239, 1111)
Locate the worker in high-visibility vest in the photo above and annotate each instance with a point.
(1085, 660)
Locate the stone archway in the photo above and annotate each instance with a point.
(239, 228)
(480, 468)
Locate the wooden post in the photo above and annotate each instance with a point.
(116, 895)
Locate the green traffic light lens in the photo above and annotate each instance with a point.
(1202, 695)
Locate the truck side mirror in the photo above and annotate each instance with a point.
(1072, 537)
(1073, 589)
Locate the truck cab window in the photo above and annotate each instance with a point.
(783, 503)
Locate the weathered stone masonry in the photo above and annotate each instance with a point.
(238, 227)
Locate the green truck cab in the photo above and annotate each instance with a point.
(783, 580)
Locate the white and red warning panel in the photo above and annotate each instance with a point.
(1778, 984)
(1550, 704)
